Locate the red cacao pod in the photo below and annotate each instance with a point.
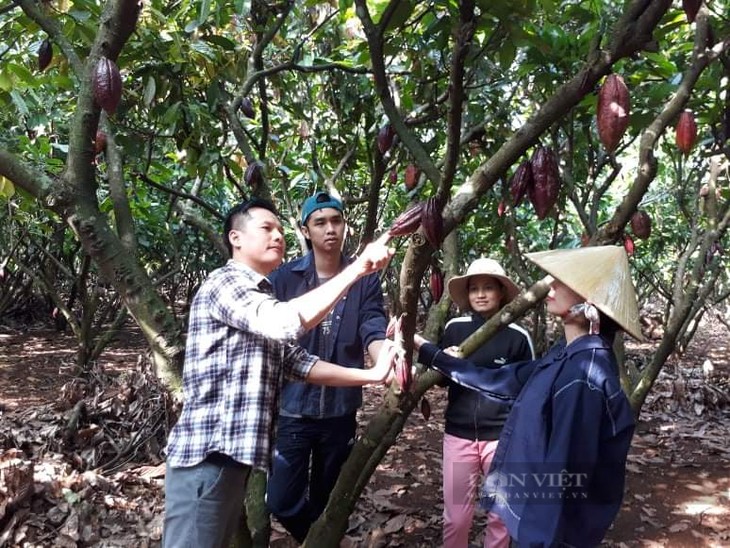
(613, 111)
(522, 181)
(393, 178)
(107, 84)
(546, 181)
(433, 222)
(500, 208)
(686, 133)
(641, 224)
(45, 54)
(691, 7)
(408, 221)
(436, 283)
(247, 108)
(254, 174)
(411, 178)
(385, 138)
(425, 408)
(628, 245)
(100, 142)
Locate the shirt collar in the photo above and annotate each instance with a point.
(257, 279)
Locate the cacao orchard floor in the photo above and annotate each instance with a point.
(678, 491)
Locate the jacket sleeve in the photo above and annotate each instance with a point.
(504, 383)
(372, 312)
(573, 442)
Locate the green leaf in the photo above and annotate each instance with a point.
(220, 41)
(204, 11)
(19, 102)
(6, 84)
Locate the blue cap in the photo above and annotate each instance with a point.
(319, 200)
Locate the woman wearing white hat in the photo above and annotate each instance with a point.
(473, 423)
(557, 478)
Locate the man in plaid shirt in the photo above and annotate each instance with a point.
(239, 351)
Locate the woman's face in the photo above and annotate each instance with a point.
(485, 294)
(561, 298)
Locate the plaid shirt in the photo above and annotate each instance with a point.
(237, 354)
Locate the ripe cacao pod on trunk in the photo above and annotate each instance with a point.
(686, 133)
(100, 142)
(436, 283)
(628, 245)
(247, 108)
(500, 208)
(45, 54)
(385, 138)
(408, 221)
(641, 224)
(425, 408)
(691, 7)
(522, 181)
(107, 85)
(613, 111)
(546, 181)
(254, 174)
(433, 222)
(411, 178)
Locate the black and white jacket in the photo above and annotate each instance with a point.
(470, 415)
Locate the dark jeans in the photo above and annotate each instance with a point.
(204, 503)
(308, 457)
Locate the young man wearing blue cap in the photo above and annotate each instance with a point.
(317, 424)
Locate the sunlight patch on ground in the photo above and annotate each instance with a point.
(705, 506)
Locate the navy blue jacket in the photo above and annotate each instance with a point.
(358, 319)
(469, 415)
(558, 474)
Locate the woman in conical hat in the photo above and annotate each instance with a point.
(473, 423)
(558, 475)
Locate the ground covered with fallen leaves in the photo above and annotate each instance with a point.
(80, 457)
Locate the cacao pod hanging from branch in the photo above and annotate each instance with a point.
(433, 222)
(686, 132)
(100, 142)
(408, 221)
(691, 7)
(411, 177)
(45, 54)
(247, 108)
(613, 111)
(436, 283)
(107, 84)
(522, 181)
(254, 174)
(545, 189)
(385, 138)
(641, 224)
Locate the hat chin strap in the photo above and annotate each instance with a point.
(588, 311)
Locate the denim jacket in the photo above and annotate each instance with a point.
(358, 319)
(557, 477)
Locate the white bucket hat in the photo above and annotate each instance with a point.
(458, 286)
(599, 274)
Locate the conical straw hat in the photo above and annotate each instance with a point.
(599, 274)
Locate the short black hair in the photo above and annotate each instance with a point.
(241, 211)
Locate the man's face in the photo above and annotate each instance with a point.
(258, 240)
(325, 228)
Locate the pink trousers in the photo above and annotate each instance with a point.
(466, 463)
